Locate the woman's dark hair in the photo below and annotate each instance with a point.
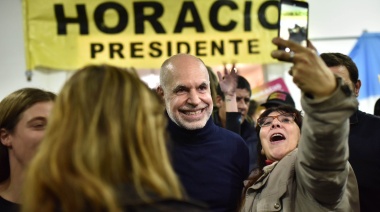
(257, 172)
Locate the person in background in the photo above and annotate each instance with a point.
(303, 165)
(105, 149)
(23, 119)
(211, 162)
(364, 137)
(233, 96)
(376, 110)
(253, 106)
(213, 84)
(278, 98)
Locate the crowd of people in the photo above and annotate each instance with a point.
(107, 142)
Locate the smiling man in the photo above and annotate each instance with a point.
(185, 87)
(210, 161)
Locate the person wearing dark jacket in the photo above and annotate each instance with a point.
(364, 137)
(210, 161)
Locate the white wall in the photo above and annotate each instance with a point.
(328, 19)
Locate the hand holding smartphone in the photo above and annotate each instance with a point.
(293, 21)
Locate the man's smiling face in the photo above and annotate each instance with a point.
(187, 94)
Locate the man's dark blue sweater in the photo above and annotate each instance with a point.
(212, 164)
(246, 130)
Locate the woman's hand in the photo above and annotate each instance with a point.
(309, 71)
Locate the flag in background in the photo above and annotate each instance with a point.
(366, 55)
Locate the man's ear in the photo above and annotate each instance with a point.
(160, 91)
(219, 101)
(357, 85)
(5, 137)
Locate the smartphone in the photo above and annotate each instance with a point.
(293, 21)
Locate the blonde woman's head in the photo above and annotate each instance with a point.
(107, 129)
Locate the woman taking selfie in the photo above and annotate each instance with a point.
(305, 169)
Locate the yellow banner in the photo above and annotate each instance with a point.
(67, 34)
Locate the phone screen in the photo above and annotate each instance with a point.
(293, 21)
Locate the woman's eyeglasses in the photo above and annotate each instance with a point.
(285, 118)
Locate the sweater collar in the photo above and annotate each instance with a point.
(177, 132)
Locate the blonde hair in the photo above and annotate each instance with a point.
(107, 129)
